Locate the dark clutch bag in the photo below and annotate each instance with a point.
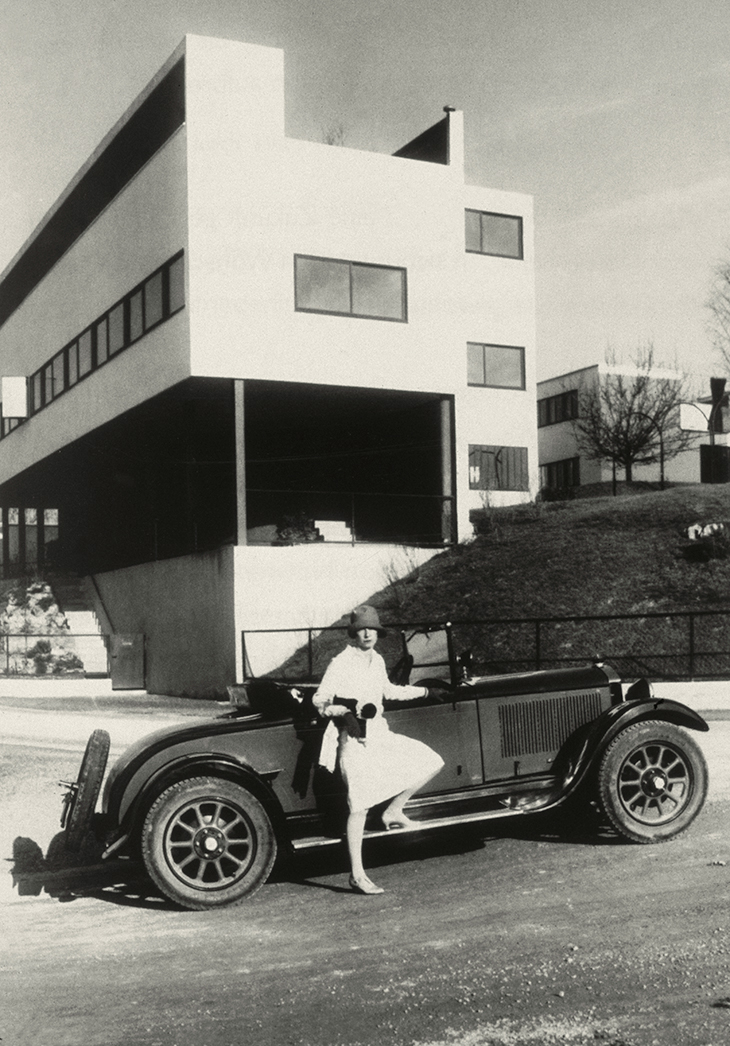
(368, 711)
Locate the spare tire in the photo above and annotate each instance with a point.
(85, 791)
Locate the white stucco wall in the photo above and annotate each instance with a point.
(257, 199)
(307, 586)
(143, 227)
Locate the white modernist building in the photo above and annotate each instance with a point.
(562, 465)
(226, 340)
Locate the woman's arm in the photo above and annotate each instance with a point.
(404, 693)
(391, 692)
(324, 698)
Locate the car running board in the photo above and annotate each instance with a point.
(424, 825)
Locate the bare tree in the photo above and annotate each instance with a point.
(630, 415)
(718, 305)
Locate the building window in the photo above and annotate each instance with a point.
(345, 288)
(554, 409)
(116, 329)
(136, 317)
(496, 366)
(12, 549)
(497, 234)
(7, 426)
(559, 475)
(153, 300)
(175, 286)
(101, 331)
(498, 468)
(85, 350)
(150, 303)
(28, 539)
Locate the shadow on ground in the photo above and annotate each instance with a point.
(67, 875)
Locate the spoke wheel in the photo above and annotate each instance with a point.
(652, 781)
(207, 843)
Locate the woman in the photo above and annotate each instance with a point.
(380, 765)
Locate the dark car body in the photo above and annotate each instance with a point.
(208, 804)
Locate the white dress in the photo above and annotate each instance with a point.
(387, 763)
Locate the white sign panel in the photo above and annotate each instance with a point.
(14, 395)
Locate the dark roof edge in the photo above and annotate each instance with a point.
(145, 126)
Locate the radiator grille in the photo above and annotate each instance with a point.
(543, 725)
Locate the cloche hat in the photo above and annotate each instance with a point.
(365, 617)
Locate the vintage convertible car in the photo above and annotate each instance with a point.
(208, 805)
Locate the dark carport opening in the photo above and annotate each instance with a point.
(377, 461)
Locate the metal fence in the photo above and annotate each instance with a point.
(675, 645)
(56, 655)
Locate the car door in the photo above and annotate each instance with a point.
(450, 729)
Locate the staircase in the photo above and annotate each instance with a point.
(333, 530)
(75, 601)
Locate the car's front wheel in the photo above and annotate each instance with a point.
(208, 842)
(652, 781)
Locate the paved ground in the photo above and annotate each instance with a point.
(501, 937)
(510, 935)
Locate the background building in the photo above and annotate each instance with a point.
(230, 338)
(564, 465)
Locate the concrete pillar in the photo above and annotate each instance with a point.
(240, 438)
(448, 513)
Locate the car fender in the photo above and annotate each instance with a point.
(584, 751)
(204, 765)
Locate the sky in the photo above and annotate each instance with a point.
(613, 114)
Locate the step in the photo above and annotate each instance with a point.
(88, 641)
(424, 825)
(333, 530)
(69, 591)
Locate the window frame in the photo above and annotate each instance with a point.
(351, 264)
(519, 465)
(484, 345)
(97, 341)
(558, 408)
(563, 468)
(496, 254)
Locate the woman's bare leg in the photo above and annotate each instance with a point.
(394, 810)
(355, 830)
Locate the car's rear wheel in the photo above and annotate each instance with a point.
(207, 843)
(81, 798)
(652, 781)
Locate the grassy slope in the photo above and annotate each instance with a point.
(602, 555)
(594, 556)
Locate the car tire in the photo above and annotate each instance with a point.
(208, 843)
(652, 781)
(78, 814)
